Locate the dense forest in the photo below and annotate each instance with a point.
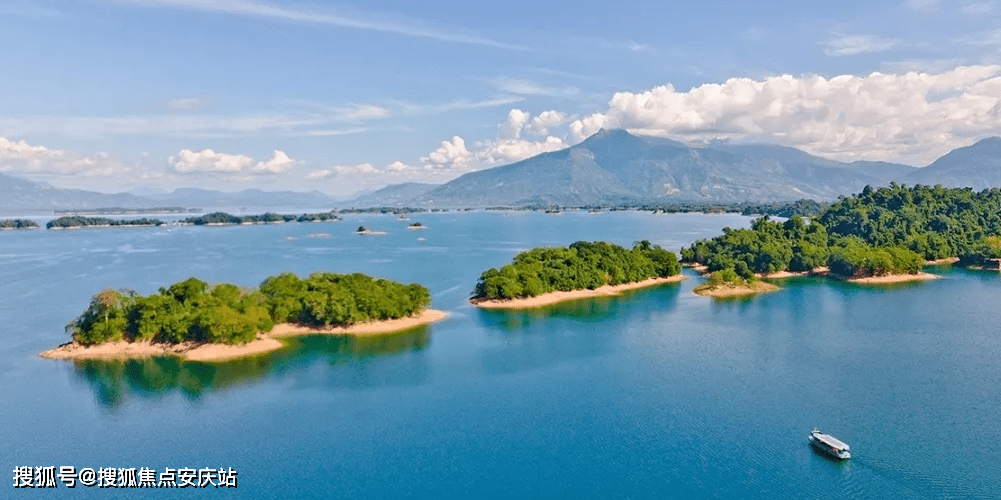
(191, 310)
(889, 230)
(17, 224)
(265, 218)
(80, 221)
(582, 265)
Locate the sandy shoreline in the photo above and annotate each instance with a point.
(266, 342)
(555, 297)
(894, 278)
(731, 290)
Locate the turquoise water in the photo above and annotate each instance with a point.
(656, 394)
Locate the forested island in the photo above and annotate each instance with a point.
(884, 234)
(553, 274)
(199, 321)
(220, 218)
(18, 224)
(80, 221)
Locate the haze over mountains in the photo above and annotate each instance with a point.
(610, 167)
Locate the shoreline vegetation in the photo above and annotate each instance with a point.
(18, 224)
(547, 275)
(556, 297)
(192, 316)
(210, 352)
(879, 236)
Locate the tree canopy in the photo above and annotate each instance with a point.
(878, 231)
(192, 310)
(582, 265)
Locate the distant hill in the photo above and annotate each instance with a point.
(614, 166)
(250, 198)
(20, 194)
(393, 195)
(977, 166)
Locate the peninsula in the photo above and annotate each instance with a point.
(197, 322)
(543, 276)
(879, 236)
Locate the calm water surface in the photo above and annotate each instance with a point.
(656, 394)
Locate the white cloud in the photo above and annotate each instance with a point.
(315, 120)
(21, 157)
(639, 47)
(516, 120)
(363, 169)
(850, 45)
(450, 154)
(264, 10)
(279, 163)
(521, 86)
(897, 117)
(208, 160)
(509, 146)
(545, 122)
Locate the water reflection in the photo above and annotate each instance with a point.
(536, 338)
(354, 362)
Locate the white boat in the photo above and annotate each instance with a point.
(829, 444)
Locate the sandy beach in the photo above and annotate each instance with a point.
(555, 297)
(894, 278)
(731, 290)
(266, 342)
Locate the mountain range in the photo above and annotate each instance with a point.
(610, 167)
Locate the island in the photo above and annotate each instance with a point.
(885, 235)
(199, 322)
(548, 275)
(223, 218)
(18, 224)
(416, 225)
(75, 221)
(727, 283)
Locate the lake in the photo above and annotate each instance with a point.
(658, 393)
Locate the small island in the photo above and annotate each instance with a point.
(416, 226)
(879, 236)
(727, 283)
(223, 218)
(548, 275)
(192, 320)
(80, 221)
(18, 224)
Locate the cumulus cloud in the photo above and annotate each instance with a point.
(851, 45)
(508, 146)
(898, 117)
(450, 154)
(366, 169)
(546, 122)
(279, 163)
(20, 157)
(208, 160)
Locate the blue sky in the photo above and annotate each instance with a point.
(228, 94)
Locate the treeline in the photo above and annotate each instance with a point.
(888, 230)
(191, 310)
(18, 224)
(80, 221)
(935, 222)
(265, 218)
(582, 265)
